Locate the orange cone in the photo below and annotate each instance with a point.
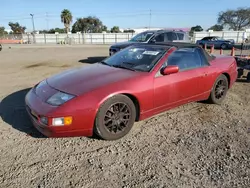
(221, 51)
(212, 49)
(233, 52)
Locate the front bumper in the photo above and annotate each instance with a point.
(36, 108)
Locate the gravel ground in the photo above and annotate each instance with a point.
(196, 145)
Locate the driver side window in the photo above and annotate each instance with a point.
(185, 59)
(159, 38)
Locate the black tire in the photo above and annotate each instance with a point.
(202, 45)
(223, 46)
(219, 90)
(248, 77)
(118, 124)
(240, 73)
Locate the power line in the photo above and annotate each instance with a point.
(112, 14)
(47, 20)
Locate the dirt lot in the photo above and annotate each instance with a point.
(196, 145)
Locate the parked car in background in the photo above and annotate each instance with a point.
(136, 83)
(218, 42)
(152, 36)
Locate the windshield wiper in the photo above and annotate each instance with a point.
(119, 66)
(123, 67)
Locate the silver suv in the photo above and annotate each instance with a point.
(152, 36)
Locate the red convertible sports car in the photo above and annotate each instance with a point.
(140, 81)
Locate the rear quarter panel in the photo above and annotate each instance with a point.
(226, 65)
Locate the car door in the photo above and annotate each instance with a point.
(206, 72)
(171, 36)
(206, 41)
(180, 36)
(158, 38)
(181, 87)
(212, 42)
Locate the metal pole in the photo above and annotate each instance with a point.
(32, 16)
(150, 18)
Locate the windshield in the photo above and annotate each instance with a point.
(219, 38)
(142, 37)
(136, 58)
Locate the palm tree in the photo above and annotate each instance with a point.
(66, 19)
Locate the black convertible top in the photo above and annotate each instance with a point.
(179, 45)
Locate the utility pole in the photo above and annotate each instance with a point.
(34, 38)
(150, 15)
(32, 17)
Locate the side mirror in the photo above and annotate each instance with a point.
(153, 41)
(171, 69)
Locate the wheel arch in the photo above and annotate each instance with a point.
(136, 103)
(134, 99)
(228, 78)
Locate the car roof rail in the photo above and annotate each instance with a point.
(180, 30)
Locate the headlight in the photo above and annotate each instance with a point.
(59, 98)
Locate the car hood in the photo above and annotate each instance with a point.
(81, 80)
(123, 44)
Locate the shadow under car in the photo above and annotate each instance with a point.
(13, 112)
(92, 60)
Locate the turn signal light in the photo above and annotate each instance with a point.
(62, 121)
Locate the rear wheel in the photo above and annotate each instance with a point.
(219, 90)
(115, 118)
(248, 77)
(240, 72)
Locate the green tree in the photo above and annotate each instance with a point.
(89, 24)
(2, 31)
(58, 30)
(52, 31)
(43, 31)
(115, 29)
(129, 31)
(17, 28)
(195, 29)
(216, 27)
(104, 28)
(66, 19)
(235, 19)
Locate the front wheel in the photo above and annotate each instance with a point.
(219, 90)
(115, 118)
(223, 46)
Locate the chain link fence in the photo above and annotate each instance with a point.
(11, 38)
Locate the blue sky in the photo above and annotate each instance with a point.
(124, 13)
